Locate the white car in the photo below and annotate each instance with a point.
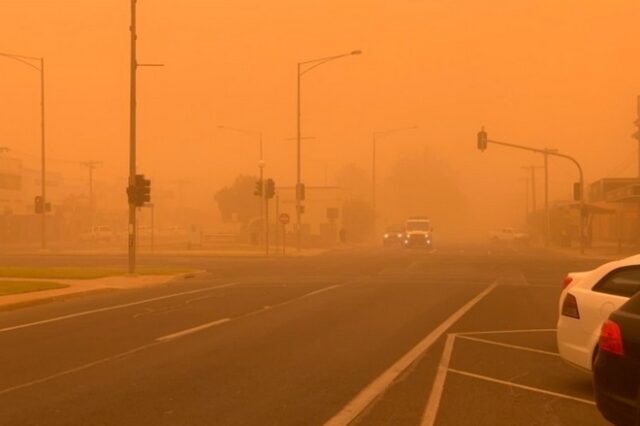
(509, 235)
(586, 302)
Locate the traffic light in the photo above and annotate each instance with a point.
(482, 140)
(38, 205)
(258, 190)
(636, 135)
(140, 192)
(270, 189)
(577, 191)
(300, 191)
(144, 188)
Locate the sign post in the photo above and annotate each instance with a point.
(284, 219)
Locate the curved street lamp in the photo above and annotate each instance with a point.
(38, 65)
(303, 68)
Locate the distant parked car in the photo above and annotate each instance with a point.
(617, 368)
(509, 235)
(586, 302)
(98, 233)
(393, 236)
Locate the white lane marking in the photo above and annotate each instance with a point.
(157, 342)
(288, 302)
(530, 330)
(76, 369)
(519, 386)
(248, 314)
(507, 345)
(431, 410)
(382, 382)
(322, 290)
(192, 330)
(111, 308)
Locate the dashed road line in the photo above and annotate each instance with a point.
(192, 330)
(114, 307)
(161, 340)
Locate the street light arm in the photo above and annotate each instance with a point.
(526, 148)
(321, 61)
(23, 59)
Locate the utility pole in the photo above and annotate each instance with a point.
(532, 170)
(42, 160)
(91, 165)
(526, 203)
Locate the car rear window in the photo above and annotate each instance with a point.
(623, 282)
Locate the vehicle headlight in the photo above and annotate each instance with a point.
(386, 235)
(399, 235)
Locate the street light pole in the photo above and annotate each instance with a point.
(303, 68)
(29, 60)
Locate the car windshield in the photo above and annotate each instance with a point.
(418, 225)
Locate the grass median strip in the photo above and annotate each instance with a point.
(80, 273)
(17, 286)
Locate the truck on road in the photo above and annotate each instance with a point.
(418, 232)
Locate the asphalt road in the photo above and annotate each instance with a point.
(463, 335)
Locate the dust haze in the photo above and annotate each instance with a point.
(546, 74)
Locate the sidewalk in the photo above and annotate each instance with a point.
(212, 252)
(605, 252)
(80, 287)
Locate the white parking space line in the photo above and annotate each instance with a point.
(526, 330)
(519, 386)
(382, 382)
(114, 307)
(507, 345)
(433, 404)
(192, 330)
(431, 410)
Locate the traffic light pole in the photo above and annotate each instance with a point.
(483, 141)
(133, 204)
(132, 142)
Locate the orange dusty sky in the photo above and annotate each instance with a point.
(547, 73)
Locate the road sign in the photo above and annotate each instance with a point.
(284, 218)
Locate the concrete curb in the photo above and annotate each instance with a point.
(79, 288)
